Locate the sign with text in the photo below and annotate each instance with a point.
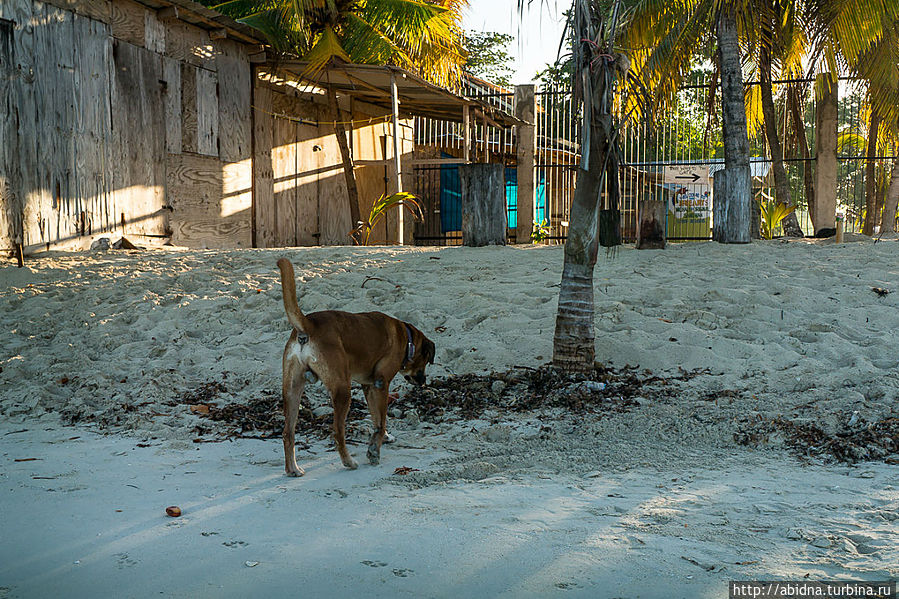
(687, 174)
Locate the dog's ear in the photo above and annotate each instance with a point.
(429, 350)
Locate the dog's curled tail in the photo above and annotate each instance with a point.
(289, 294)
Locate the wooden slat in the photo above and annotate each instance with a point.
(92, 123)
(188, 107)
(210, 201)
(128, 22)
(207, 113)
(154, 32)
(8, 141)
(99, 10)
(284, 170)
(188, 44)
(263, 184)
(310, 162)
(334, 212)
(55, 208)
(234, 108)
(171, 70)
(138, 140)
(211, 232)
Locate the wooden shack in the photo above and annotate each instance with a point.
(166, 122)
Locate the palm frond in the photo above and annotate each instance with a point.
(325, 49)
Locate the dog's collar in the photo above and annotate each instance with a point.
(410, 347)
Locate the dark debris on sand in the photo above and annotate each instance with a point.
(469, 396)
(862, 441)
(524, 389)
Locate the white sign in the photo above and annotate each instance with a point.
(692, 204)
(687, 174)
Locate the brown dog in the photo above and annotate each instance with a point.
(337, 348)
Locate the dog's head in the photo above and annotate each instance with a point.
(414, 370)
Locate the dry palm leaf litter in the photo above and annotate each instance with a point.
(858, 441)
(468, 396)
(545, 391)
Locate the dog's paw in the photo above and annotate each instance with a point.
(374, 456)
(350, 463)
(295, 471)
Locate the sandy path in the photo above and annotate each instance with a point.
(656, 501)
(334, 533)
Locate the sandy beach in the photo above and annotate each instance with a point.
(747, 430)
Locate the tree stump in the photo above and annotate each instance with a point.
(731, 205)
(484, 218)
(651, 216)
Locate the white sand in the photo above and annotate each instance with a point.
(623, 506)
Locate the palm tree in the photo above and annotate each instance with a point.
(780, 40)
(596, 68)
(878, 64)
(663, 38)
(784, 34)
(422, 36)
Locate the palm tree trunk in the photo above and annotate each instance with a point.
(573, 342)
(738, 186)
(782, 193)
(347, 157)
(871, 175)
(802, 141)
(891, 203)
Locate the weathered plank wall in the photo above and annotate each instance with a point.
(105, 114)
(301, 196)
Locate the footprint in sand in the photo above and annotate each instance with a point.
(567, 585)
(234, 543)
(372, 564)
(402, 572)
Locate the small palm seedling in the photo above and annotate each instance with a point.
(540, 232)
(772, 213)
(399, 201)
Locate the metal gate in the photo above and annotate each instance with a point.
(672, 158)
(438, 153)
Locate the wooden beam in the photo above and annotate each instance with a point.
(395, 102)
(438, 161)
(218, 34)
(372, 88)
(169, 13)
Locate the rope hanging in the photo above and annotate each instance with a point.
(369, 121)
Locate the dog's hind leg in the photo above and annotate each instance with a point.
(292, 384)
(340, 400)
(376, 396)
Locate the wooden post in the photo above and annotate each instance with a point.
(525, 110)
(825, 155)
(466, 134)
(395, 104)
(718, 207)
(484, 219)
(20, 253)
(651, 221)
(484, 135)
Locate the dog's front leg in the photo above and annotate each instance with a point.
(376, 397)
(340, 400)
(292, 384)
